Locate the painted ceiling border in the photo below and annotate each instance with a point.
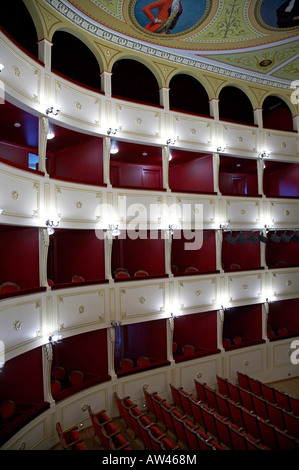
(77, 18)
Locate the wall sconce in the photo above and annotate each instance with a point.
(265, 154)
(114, 230)
(1, 67)
(221, 149)
(170, 141)
(53, 110)
(224, 226)
(111, 131)
(54, 338)
(51, 224)
(50, 135)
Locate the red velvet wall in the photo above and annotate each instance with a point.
(147, 254)
(86, 352)
(146, 339)
(77, 252)
(19, 254)
(198, 330)
(281, 179)
(279, 118)
(16, 154)
(247, 256)
(282, 254)
(194, 174)
(245, 321)
(22, 378)
(227, 185)
(82, 163)
(135, 175)
(284, 313)
(204, 259)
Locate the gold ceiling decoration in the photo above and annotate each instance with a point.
(240, 34)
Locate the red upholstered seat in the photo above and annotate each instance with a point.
(68, 439)
(77, 278)
(243, 380)
(7, 409)
(191, 269)
(141, 273)
(126, 364)
(50, 282)
(80, 446)
(8, 287)
(294, 405)
(185, 402)
(271, 334)
(149, 400)
(191, 435)
(143, 361)
(55, 387)
(222, 405)
(76, 377)
(122, 274)
(174, 347)
(209, 420)
(237, 340)
(196, 411)
(211, 397)
(226, 342)
(178, 421)
(167, 417)
(246, 399)
(234, 392)
(201, 391)
(157, 401)
(282, 331)
(268, 393)
(188, 349)
(176, 396)
(117, 270)
(223, 430)
(222, 385)
(58, 373)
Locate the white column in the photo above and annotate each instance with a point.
(164, 97)
(106, 83)
(165, 166)
(214, 108)
(296, 123)
(219, 240)
(260, 176)
(106, 160)
(258, 117)
(170, 330)
(265, 313)
(44, 242)
(42, 143)
(216, 166)
(47, 358)
(108, 251)
(168, 243)
(220, 321)
(111, 346)
(45, 52)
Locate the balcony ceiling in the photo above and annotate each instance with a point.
(235, 35)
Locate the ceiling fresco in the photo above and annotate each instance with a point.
(259, 37)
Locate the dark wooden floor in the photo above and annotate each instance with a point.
(92, 442)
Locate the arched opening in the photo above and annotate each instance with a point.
(17, 22)
(188, 95)
(134, 81)
(235, 106)
(73, 59)
(276, 114)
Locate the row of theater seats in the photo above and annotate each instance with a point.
(268, 410)
(128, 364)
(259, 428)
(182, 426)
(142, 427)
(71, 439)
(109, 435)
(284, 400)
(224, 429)
(121, 273)
(59, 379)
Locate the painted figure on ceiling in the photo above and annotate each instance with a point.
(288, 14)
(169, 12)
